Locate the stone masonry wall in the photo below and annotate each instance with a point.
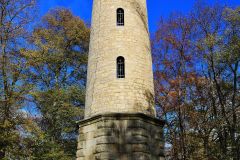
(121, 137)
(105, 92)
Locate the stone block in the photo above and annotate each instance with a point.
(140, 148)
(80, 153)
(107, 140)
(81, 144)
(104, 132)
(105, 156)
(118, 141)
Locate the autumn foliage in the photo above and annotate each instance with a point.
(42, 81)
(196, 66)
(196, 59)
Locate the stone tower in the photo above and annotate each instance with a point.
(120, 121)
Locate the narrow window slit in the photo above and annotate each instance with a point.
(120, 17)
(120, 67)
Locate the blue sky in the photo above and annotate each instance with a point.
(156, 8)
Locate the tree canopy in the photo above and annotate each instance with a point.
(197, 67)
(44, 71)
(196, 58)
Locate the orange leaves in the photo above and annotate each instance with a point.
(174, 83)
(167, 63)
(173, 94)
(191, 78)
(172, 40)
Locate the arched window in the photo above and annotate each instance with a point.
(120, 17)
(120, 67)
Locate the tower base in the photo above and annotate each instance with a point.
(122, 136)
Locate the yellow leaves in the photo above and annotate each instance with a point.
(64, 22)
(232, 15)
(6, 124)
(60, 34)
(210, 40)
(173, 94)
(31, 127)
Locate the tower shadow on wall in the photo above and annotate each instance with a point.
(130, 139)
(149, 108)
(140, 13)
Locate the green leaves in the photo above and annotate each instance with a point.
(46, 77)
(58, 65)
